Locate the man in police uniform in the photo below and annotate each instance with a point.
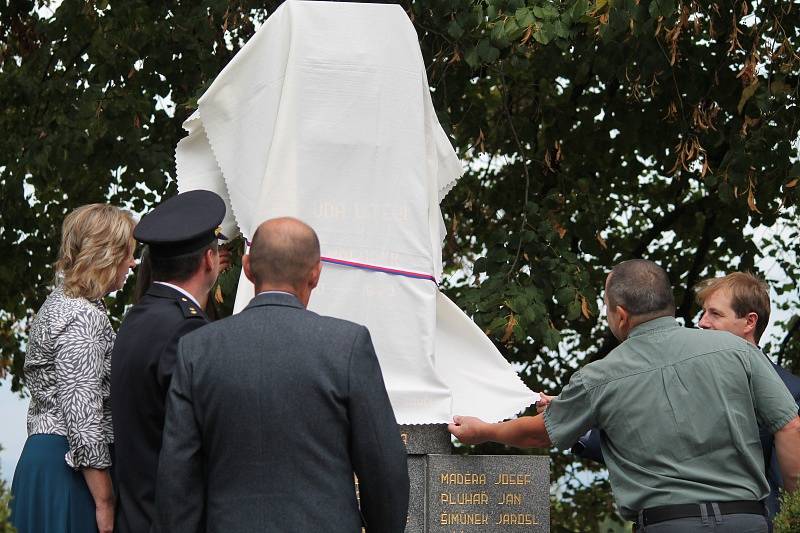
(677, 409)
(181, 234)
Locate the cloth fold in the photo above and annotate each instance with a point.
(325, 115)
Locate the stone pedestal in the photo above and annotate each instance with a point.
(473, 493)
(420, 441)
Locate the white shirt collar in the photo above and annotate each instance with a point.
(180, 290)
(276, 292)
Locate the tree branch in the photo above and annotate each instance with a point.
(666, 222)
(522, 153)
(684, 310)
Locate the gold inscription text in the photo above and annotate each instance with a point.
(463, 519)
(464, 498)
(517, 519)
(510, 498)
(513, 479)
(468, 478)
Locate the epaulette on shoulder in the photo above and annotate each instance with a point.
(189, 308)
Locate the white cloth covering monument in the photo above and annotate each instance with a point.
(325, 115)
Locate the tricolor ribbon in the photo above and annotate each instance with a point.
(374, 268)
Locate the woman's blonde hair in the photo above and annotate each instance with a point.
(95, 240)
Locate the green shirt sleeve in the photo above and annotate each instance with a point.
(570, 415)
(773, 402)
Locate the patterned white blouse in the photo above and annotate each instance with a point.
(68, 372)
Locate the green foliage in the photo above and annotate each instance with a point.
(82, 122)
(601, 131)
(788, 520)
(592, 131)
(5, 511)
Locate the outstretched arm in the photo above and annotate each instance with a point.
(523, 432)
(566, 418)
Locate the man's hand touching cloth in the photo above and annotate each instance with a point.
(523, 432)
(468, 429)
(472, 430)
(544, 401)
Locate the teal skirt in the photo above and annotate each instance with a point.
(47, 495)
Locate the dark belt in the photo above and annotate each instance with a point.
(655, 515)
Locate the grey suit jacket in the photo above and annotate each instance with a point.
(269, 414)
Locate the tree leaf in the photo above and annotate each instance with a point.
(747, 93)
(509, 330)
(573, 310)
(472, 58)
(586, 311)
(564, 295)
(524, 17)
(751, 201)
(455, 30)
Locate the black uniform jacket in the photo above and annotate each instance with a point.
(141, 370)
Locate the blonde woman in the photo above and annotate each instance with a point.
(62, 481)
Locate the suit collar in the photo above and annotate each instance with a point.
(275, 298)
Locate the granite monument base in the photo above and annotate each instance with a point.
(473, 493)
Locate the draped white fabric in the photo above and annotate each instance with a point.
(325, 115)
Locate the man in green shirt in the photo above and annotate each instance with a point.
(678, 411)
(739, 303)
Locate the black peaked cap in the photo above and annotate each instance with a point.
(182, 224)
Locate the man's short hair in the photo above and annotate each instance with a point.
(179, 267)
(749, 294)
(641, 287)
(284, 255)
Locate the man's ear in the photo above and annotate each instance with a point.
(313, 278)
(208, 259)
(624, 318)
(751, 319)
(248, 272)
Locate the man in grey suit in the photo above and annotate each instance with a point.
(272, 411)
